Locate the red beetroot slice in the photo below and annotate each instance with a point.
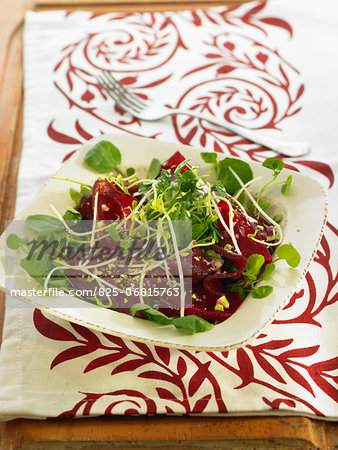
(204, 306)
(212, 282)
(196, 265)
(242, 228)
(111, 204)
(175, 160)
(85, 207)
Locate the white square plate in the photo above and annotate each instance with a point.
(304, 210)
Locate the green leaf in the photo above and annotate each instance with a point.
(44, 252)
(197, 229)
(103, 157)
(264, 204)
(113, 233)
(43, 222)
(189, 181)
(209, 157)
(130, 171)
(180, 167)
(261, 291)
(145, 187)
(254, 264)
(278, 218)
(218, 186)
(72, 214)
(224, 175)
(85, 190)
(125, 244)
(39, 268)
(182, 228)
(75, 195)
(238, 288)
(289, 254)
(274, 164)
(154, 168)
(164, 180)
(268, 270)
(14, 241)
(192, 324)
(211, 254)
(250, 276)
(286, 186)
(150, 313)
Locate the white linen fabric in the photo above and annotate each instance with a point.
(265, 66)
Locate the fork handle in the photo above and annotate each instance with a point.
(286, 148)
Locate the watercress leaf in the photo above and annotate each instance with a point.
(274, 164)
(209, 157)
(250, 276)
(188, 175)
(150, 313)
(197, 229)
(130, 171)
(43, 222)
(113, 233)
(72, 214)
(180, 167)
(261, 291)
(44, 249)
(14, 241)
(268, 270)
(182, 228)
(289, 253)
(238, 288)
(125, 244)
(211, 254)
(218, 187)
(153, 303)
(145, 187)
(286, 186)
(264, 204)
(192, 324)
(254, 264)
(229, 181)
(154, 168)
(85, 189)
(278, 218)
(163, 181)
(189, 181)
(103, 157)
(75, 195)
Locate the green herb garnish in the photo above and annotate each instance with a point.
(103, 157)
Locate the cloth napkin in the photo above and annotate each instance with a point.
(268, 66)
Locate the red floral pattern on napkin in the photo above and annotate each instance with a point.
(246, 80)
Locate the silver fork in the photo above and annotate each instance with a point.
(150, 111)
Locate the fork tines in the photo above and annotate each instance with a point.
(121, 95)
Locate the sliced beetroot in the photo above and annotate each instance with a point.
(175, 160)
(195, 266)
(201, 265)
(212, 283)
(203, 305)
(85, 207)
(111, 203)
(134, 189)
(242, 229)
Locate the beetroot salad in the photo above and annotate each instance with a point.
(175, 246)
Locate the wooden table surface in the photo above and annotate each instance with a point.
(119, 432)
